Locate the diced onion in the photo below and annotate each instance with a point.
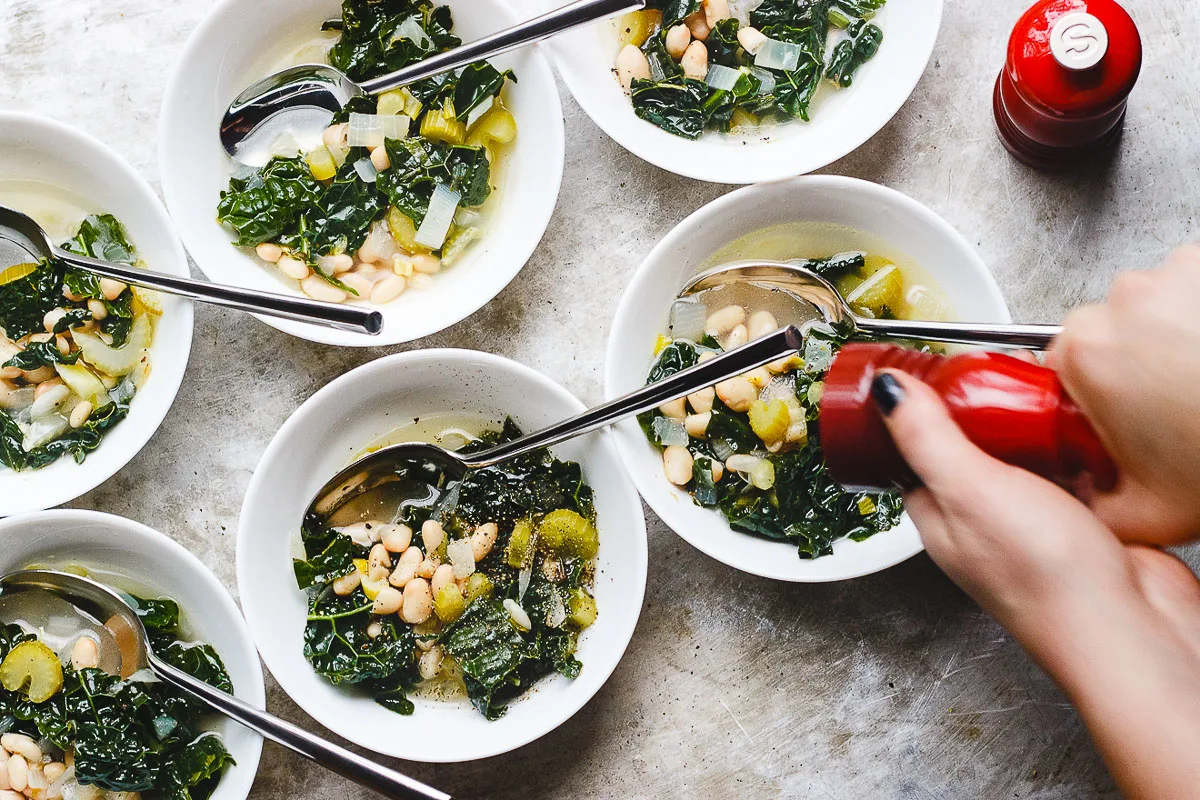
(766, 80)
(144, 675)
(815, 392)
(818, 355)
(366, 170)
(779, 55)
(722, 77)
(523, 578)
(478, 111)
(436, 225)
(656, 71)
(410, 29)
(556, 612)
(721, 448)
(741, 9)
(670, 431)
(462, 558)
(370, 130)
(687, 319)
(517, 614)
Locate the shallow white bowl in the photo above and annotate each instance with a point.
(841, 120)
(152, 564)
(324, 435)
(878, 214)
(96, 179)
(241, 41)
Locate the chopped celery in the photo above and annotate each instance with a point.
(404, 231)
(742, 119)
(568, 534)
(866, 506)
(582, 609)
(769, 421)
(498, 125)
(398, 101)
(519, 544)
(321, 164)
(449, 603)
(637, 26)
(443, 126)
(478, 585)
(33, 669)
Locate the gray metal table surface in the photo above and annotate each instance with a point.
(894, 685)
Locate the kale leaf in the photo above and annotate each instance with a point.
(40, 354)
(261, 206)
(77, 442)
(419, 165)
(25, 301)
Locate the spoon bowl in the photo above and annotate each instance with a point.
(103, 603)
(809, 287)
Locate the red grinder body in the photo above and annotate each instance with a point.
(1013, 410)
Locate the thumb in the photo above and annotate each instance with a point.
(925, 434)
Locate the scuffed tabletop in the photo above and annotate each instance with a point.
(895, 685)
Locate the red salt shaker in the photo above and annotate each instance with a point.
(1013, 410)
(1063, 91)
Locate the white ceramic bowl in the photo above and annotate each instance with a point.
(877, 215)
(325, 434)
(241, 41)
(841, 120)
(153, 564)
(82, 172)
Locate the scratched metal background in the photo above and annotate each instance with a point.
(892, 686)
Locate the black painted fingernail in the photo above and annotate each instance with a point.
(887, 393)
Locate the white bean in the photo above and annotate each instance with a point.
(443, 576)
(718, 471)
(388, 601)
(84, 655)
(98, 309)
(18, 772)
(296, 269)
(759, 376)
(46, 386)
(346, 584)
(337, 264)
(632, 63)
(111, 289)
(420, 281)
(697, 424)
(736, 337)
(63, 343)
(676, 409)
(396, 538)
(427, 263)
(22, 745)
(695, 61)
(335, 136)
(761, 323)
(698, 25)
(404, 573)
(9, 794)
(715, 11)
(785, 364)
(677, 40)
(388, 290)
(430, 663)
(52, 318)
(722, 322)
(751, 39)
(379, 557)
(269, 252)
(418, 602)
(358, 283)
(702, 401)
(80, 413)
(318, 288)
(737, 393)
(374, 628)
(677, 464)
(4, 785)
(741, 463)
(379, 158)
(426, 569)
(483, 539)
(412, 555)
(432, 534)
(54, 770)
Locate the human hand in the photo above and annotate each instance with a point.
(1133, 366)
(1116, 625)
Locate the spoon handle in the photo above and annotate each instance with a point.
(362, 771)
(783, 342)
(1035, 337)
(554, 22)
(332, 315)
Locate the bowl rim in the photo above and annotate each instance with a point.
(254, 694)
(729, 170)
(554, 157)
(710, 212)
(638, 560)
(171, 376)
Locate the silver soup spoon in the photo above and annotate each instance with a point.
(103, 604)
(380, 468)
(301, 100)
(807, 286)
(20, 234)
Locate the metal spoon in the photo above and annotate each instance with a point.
(19, 233)
(302, 99)
(103, 603)
(809, 287)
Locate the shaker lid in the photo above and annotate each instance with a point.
(1075, 58)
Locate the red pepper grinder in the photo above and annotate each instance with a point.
(1013, 410)
(1062, 94)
